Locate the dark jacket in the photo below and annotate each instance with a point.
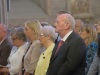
(5, 49)
(70, 59)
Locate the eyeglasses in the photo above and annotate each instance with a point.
(41, 34)
(25, 28)
(13, 39)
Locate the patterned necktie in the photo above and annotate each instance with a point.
(59, 45)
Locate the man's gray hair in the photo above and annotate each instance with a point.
(71, 20)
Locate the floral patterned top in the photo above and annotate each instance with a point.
(90, 52)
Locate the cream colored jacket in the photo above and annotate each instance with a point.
(32, 56)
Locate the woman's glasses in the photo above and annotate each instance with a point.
(13, 39)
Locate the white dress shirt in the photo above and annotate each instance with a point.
(66, 36)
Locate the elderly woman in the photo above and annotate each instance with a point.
(47, 39)
(19, 40)
(89, 34)
(32, 30)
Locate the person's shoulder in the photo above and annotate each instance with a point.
(7, 40)
(6, 43)
(76, 39)
(93, 45)
(36, 43)
(76, 36)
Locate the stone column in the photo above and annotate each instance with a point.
(3, 12)
(0, 11)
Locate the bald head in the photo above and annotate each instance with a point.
(3, 32)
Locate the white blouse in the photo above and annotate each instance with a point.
(16, 59)
(13, 50)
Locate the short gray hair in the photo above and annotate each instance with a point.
(19, 33)
(49, 30)
(71, 20)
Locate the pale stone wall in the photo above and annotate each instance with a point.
(95, 9)
(89, 12)
(51, 7)
(37, 2)
(41, 3)
(57, 5)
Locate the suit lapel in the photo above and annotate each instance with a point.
(3, 43)
(54, 50)
(61, 49)
(66, 43)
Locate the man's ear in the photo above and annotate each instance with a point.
(67, 26)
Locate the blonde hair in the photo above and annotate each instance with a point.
(35, 26)
(92, 31)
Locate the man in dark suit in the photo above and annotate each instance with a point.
(70, 57)
(5, 45)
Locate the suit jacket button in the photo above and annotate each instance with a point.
(43, 57)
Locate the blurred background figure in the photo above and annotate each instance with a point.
(78, 25)
(89, 34)
(98, 29)
(32, 31)
(47, 39)
(45, 24)
(5, 45)
(95, 66)
(15, 60)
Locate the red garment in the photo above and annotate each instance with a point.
(59, 45)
